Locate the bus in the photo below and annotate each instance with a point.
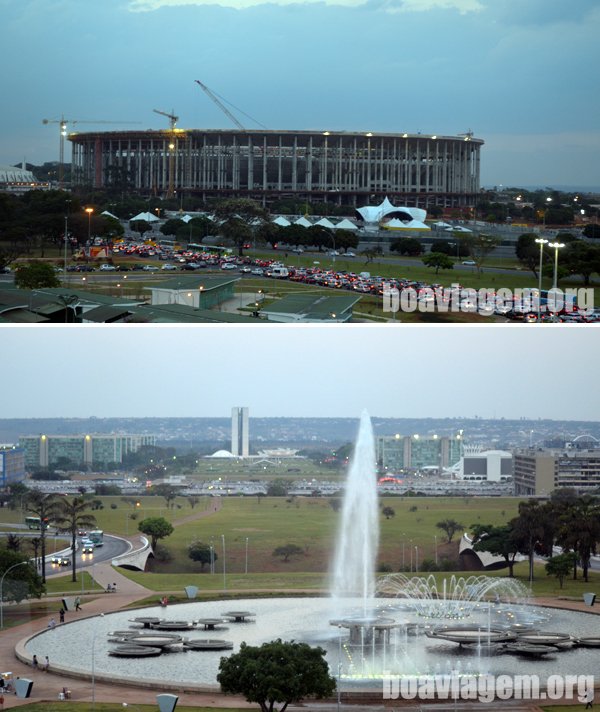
(35, 523)
(97, 537)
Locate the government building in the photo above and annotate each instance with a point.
(79, 451)
(345, 168)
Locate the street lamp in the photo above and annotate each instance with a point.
(89, 212)
(67, 202)
(548, 200)
(436, 549)
(541, 242)
(246, 569)
(14, 566)
(556, 246)
(416, 559)
(224, 572)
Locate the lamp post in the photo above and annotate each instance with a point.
(556, 246)
(541, 242)
(416, 559)
(246, 568)
(548, 201)
(436, 549)
(14, 566)
(67, 202)
(224, 571)
(89, 212)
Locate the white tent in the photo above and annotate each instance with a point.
(376, 213)
(395, 224)
(281, 221)
(148, 217)
(304, 222)
(345, 224)
(324, 222)
(441, 223)
(109, 215)
(186, 219)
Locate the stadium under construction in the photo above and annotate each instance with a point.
(345, 168)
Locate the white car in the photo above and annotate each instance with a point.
(168, 267)
(107, 268)
(350, 254)
(150, 268)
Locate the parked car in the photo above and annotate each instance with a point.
(107, 268)
(150, 268)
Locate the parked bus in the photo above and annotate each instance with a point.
(33, 522)
(97, 537)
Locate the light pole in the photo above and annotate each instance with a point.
(89, 212)
(541, 242)
(14, 566)
(224, 571)
(67, 202)
(436, 549)
(246, 569)
(548, 201)
(416, 559)
(556, 246)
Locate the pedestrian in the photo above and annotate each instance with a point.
(114, 587)
(46, 664)
(34, 661)
(61, 615)
(78, 604)
(588, 698)
(51, 623)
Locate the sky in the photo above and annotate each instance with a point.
(300, 371)
(521, 74)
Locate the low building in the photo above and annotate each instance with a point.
(416, 452)
(45, 451)
(540, 471)
(488, 465)
(310, 309)
(194, 291)
(12, 465)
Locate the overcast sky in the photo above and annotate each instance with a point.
(522, 74)
(506, 371)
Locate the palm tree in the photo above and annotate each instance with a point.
(43, 506)
(71, 517)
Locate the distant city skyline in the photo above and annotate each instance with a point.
(520, 75)
(337, 371)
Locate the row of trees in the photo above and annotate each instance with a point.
(577, 257)
(568, 521)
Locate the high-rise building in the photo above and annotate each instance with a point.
(240, 437)
(12, 465)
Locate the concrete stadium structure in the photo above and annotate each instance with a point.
(346, 168)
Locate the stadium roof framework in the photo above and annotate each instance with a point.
(347, 168)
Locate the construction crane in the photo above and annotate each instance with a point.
(172, 118)
(172, 149)
(468, 134)
(224, 109)
(63, 123)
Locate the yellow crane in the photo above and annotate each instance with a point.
(172, 146)
(63, 123)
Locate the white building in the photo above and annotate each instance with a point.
(486, 465)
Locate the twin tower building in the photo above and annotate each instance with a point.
(239, 432)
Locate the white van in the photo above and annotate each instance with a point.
(279, 272)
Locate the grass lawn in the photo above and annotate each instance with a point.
(69, 706)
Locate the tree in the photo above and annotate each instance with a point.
(532, 526)
(580, 257)
(167, 491)
(277, 488)
(450, 527)
(528, 252)
(443, 246)
(35, 275)
(71, 516)
(388, 512)
(156, 528)
(276, 673)
(406, 246)
(288, 550)
(172, 226)
(498, 541)
(480, 247)
(370, 253)
(579, 531)
(438, 260)
(236, 217)
(560, 566)
(140, 226)
(44, 506)
(202, 553)
(592, 231)
(22, 581)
